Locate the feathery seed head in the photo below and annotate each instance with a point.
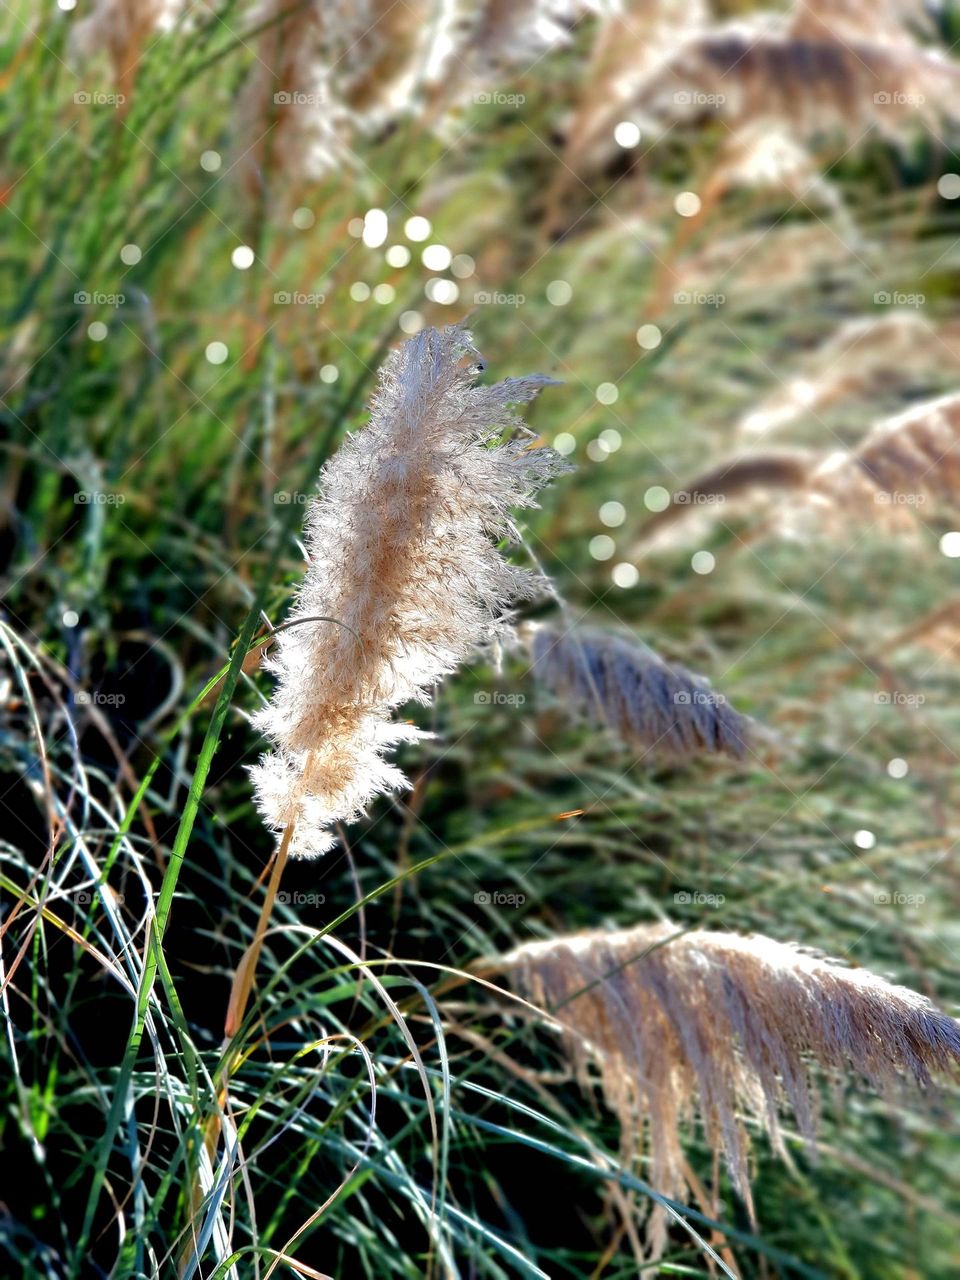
(724, 1026)
(341, 67)
(901, 463)
(746, 73)
(649, 704)
(401, 555)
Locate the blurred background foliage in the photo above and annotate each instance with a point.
(153, 481)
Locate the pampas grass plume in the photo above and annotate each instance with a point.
(401, 554)
(916, 452)
(650, 705)
(811, 86)
(723, 1026)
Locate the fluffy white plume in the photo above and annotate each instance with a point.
(401, 554)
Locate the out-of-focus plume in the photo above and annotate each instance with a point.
(904, 465)
(322, 70)
(905, 460)
(891, 20)
(629, 44)
(652, 706)
(765, 262)
(867, 355)
(741, 477)
(778, 83)
(122, 29)
(722, 1027)
(745, 73)
(762, 154)
(481, 43)
(327, 71)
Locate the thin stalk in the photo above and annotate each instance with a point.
(243, 977)
(240, 990)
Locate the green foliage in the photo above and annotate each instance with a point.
(151, 505)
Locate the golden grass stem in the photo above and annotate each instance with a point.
(240, 990)
(246, 969)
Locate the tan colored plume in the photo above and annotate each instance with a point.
(745, 73)
(723, 1028)
(905, 460)
(863, 356)
(403, 568)
(123, 29)
(629, 45)
(327, 71)
(906, 468)
(656, 708)
(888, 20)
(738, 477)
(766, 262)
